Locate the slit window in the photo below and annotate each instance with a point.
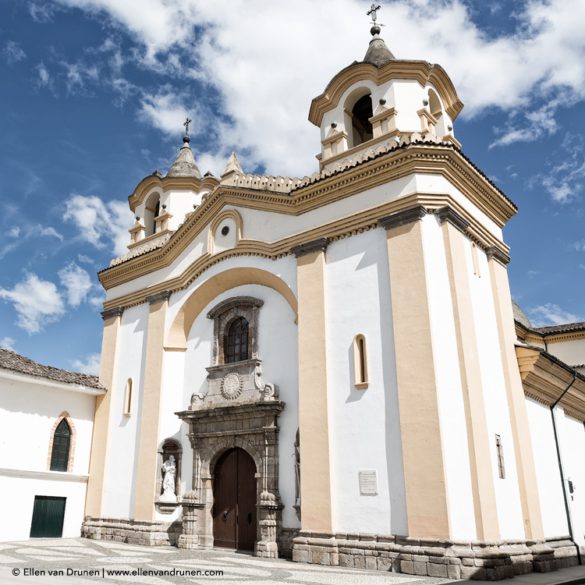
(128, 398)
(500, 450)
(61, 446)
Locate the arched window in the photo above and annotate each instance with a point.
(61, 446)
(236, 341)
(360, 120)
(360, 361)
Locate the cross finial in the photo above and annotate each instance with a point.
(186, 124)
(373, 12)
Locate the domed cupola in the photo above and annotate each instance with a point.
(378, 53)
(383, 100)
(184, 165)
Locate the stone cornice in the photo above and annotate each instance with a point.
(113, 312)
(497, 254)
(158, 297)
(448, 214)
(403, 217)
(318, 245)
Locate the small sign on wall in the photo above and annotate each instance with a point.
(368, 482)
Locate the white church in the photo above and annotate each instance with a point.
(332, 368)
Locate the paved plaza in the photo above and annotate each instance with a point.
(93, 561)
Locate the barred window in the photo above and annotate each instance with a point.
(236, 341)
(61, 445)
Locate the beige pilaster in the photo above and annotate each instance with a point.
(316, 506)
(482, 479)
(524, 455)
(100, 438)
(145, 486)
(424, 475)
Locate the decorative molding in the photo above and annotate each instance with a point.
(497, 254)
(318, 245)
(233, 302)
(344, 227)
(72, 440)
(403, 217)
(424, 159)
(450, 215)
(112, 312)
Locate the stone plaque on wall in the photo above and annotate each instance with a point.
(368, 482)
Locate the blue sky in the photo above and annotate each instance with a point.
(94, 93)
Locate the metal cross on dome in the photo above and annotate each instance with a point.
(373, 12)
(186, 124)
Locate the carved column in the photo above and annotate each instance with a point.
(190, 537)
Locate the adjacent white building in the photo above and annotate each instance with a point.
(46, 425)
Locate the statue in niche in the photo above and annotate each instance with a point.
(297, 504)
(169, 468)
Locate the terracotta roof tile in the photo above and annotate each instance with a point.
(565, 328)
(10, 360)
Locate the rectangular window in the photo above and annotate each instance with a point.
(501, 467)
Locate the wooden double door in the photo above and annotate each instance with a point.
(234, 501)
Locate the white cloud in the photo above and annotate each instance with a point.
(44, 77)
(7, 343)
(165, 111)
(268, 60)
(41, 12)
(78, 74)
(37, 302)
(50, 232)
(90, 364)
(550, 314)
(13, 52)
(101, 224)
(14, 232)
(85, 259)
(97, 302)
(77, 283)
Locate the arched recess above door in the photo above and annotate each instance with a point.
(216, 285)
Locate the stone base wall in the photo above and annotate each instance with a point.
(131, 531)
(285, 540)
(490, 561)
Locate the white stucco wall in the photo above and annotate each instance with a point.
(572, 441)
(364, 424)
(495, 397)
(449, 389)
(571, 352)
(547, 470)
(28, 412)
(122, 453)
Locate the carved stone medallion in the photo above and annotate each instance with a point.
(231, 386)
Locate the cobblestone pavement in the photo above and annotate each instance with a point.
(92, 561)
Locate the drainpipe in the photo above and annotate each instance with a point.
(565, 496)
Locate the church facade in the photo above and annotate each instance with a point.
(328, 368)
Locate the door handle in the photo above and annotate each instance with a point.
(225, 514)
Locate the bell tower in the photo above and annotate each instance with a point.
(380, 101)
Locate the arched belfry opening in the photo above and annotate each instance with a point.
(360, 120)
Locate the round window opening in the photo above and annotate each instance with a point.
(225, 230)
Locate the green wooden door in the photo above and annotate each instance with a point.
(48, 516)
